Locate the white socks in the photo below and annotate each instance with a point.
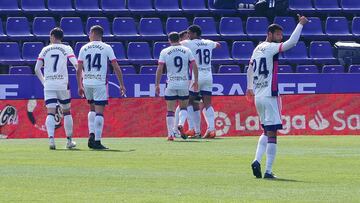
(197, 121)
(99, 123)
(170, 123)
(190, 119)
(68, 125)
(50, 125)
(177, 111)
(270, 154)
(182, 116)
(261, 147)
(209, 115)
(91, 121)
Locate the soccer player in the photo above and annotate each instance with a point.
(177, 59)
(93, 60)
(202, 50)
(54, 58)
(262, 80)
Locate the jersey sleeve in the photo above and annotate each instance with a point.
(213, 44)
(71, 56)
(162, 58)
(111, 54)
(81, 57)
(41, 55)
(275, 48)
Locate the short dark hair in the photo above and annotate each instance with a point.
(273, 27)
(174, 37)
(98, 30)
(58, 33)
(195, 29)
(182, 33)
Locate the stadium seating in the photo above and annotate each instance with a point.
(313, 29)
(285, 69)
(333, 69)
(167, 6)
(301, 6)
(124, 28)
(148, 69)
(221, 55)
(10, 53)
(229, 69)
(73, 28)
(33, 6)
(61, 7)
(327, 6)
(87, 6)
(71, 70)
(139, 53)
(242, 50)
(208, 27)
(16, 70)
(194, 7)
(42, 27)
(17, 28)
(103, 22)
(2, 34)
(321, 52)
(337, 28)
(231, 28)
(355, 26)
(354, 69)
(256, 27)
(176, 24)
(158, 46)
(140, 6)
(350, 6)
(288, 24)
(119, 51)
(297, 55)
(114, 7)
(9, 7)
(307, 69)
(151, 28)
(128, 69)
(30, 51)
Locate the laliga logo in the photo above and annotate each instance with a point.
(222, 123)
(319, 122)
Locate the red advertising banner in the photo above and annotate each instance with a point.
(330, 114)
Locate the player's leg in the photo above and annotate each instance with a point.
(170, 98)
(100, 100)
(89, 91)
(194, 113)
(183, 96)
(51, 102)
(209, 114)
(64, 100)
(270, 153)
(177, 111)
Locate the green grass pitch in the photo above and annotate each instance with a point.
(312, 169)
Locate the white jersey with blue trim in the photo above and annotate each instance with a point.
(264, 61)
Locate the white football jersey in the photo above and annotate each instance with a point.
(55, 58)
(265, 60)
(177, 59)
(95, 56)
(202, 50)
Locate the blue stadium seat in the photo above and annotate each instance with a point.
(151, 28)
(242, 51)
(71, 70)
(167, 6)
(128, 69)
(307, 69)
(17, 28)
(33, 6)
(119, 51)
(10, 53)
(30, 51)
(337, 28)
(103, 22)
(321, 52)
(73, 28)
(220, 11)
(125, 28)
(333, 69)
(158, 46)
(350, 6)
(87, 6)
(301, 6)
(229, 69)
(313, 29)
(114, 7)
(297, 54)
(221, 55)
(139, 53)
(77, 48)
(61, 7)
(20, 70)
(208, 27)
(9, 7)
(285, 69)
(42, 26)
(2, 34)
(288, 24)
(356, 26)
(327, 6)
(176, 24)
(141, 6)
(148, 69)
(354, 69)
(256, 28)
(231, 28)
(194, 7)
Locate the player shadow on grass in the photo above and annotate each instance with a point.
(285, 180)
(95, 150)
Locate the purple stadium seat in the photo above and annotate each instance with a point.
(158, 46)
(141, 6)
(337, 28)
(31, 50)
(229, 69)
(2, 34)
(327, 6)
(285, 69)
(42, 26)
(313, 29)
(33, 6)
(354, 69)
(151, 28)
(9, 7)
(301, 6)
(78, 46)
(148, 69)
(221, 55)
(128, 69)
(87, 6)
(73, 28)
(18, 28)
(231, 28)
(307, 69)
(167, 6)
(297, 54)
(208, 27)
(10, 53)
(103, 22)
(61, 7)
(220, 11)
(321, 52)
(20, 70)
(256, 28)
(242, 51)
(176, 24)
(288, 24)
(333, 69)
(139, 53)
(114, 7)
(356, 26)
(350, 6)
(125, 28)
(71, 70)
(119, 51)
(195, 7)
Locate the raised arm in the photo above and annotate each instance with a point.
(295, 36)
